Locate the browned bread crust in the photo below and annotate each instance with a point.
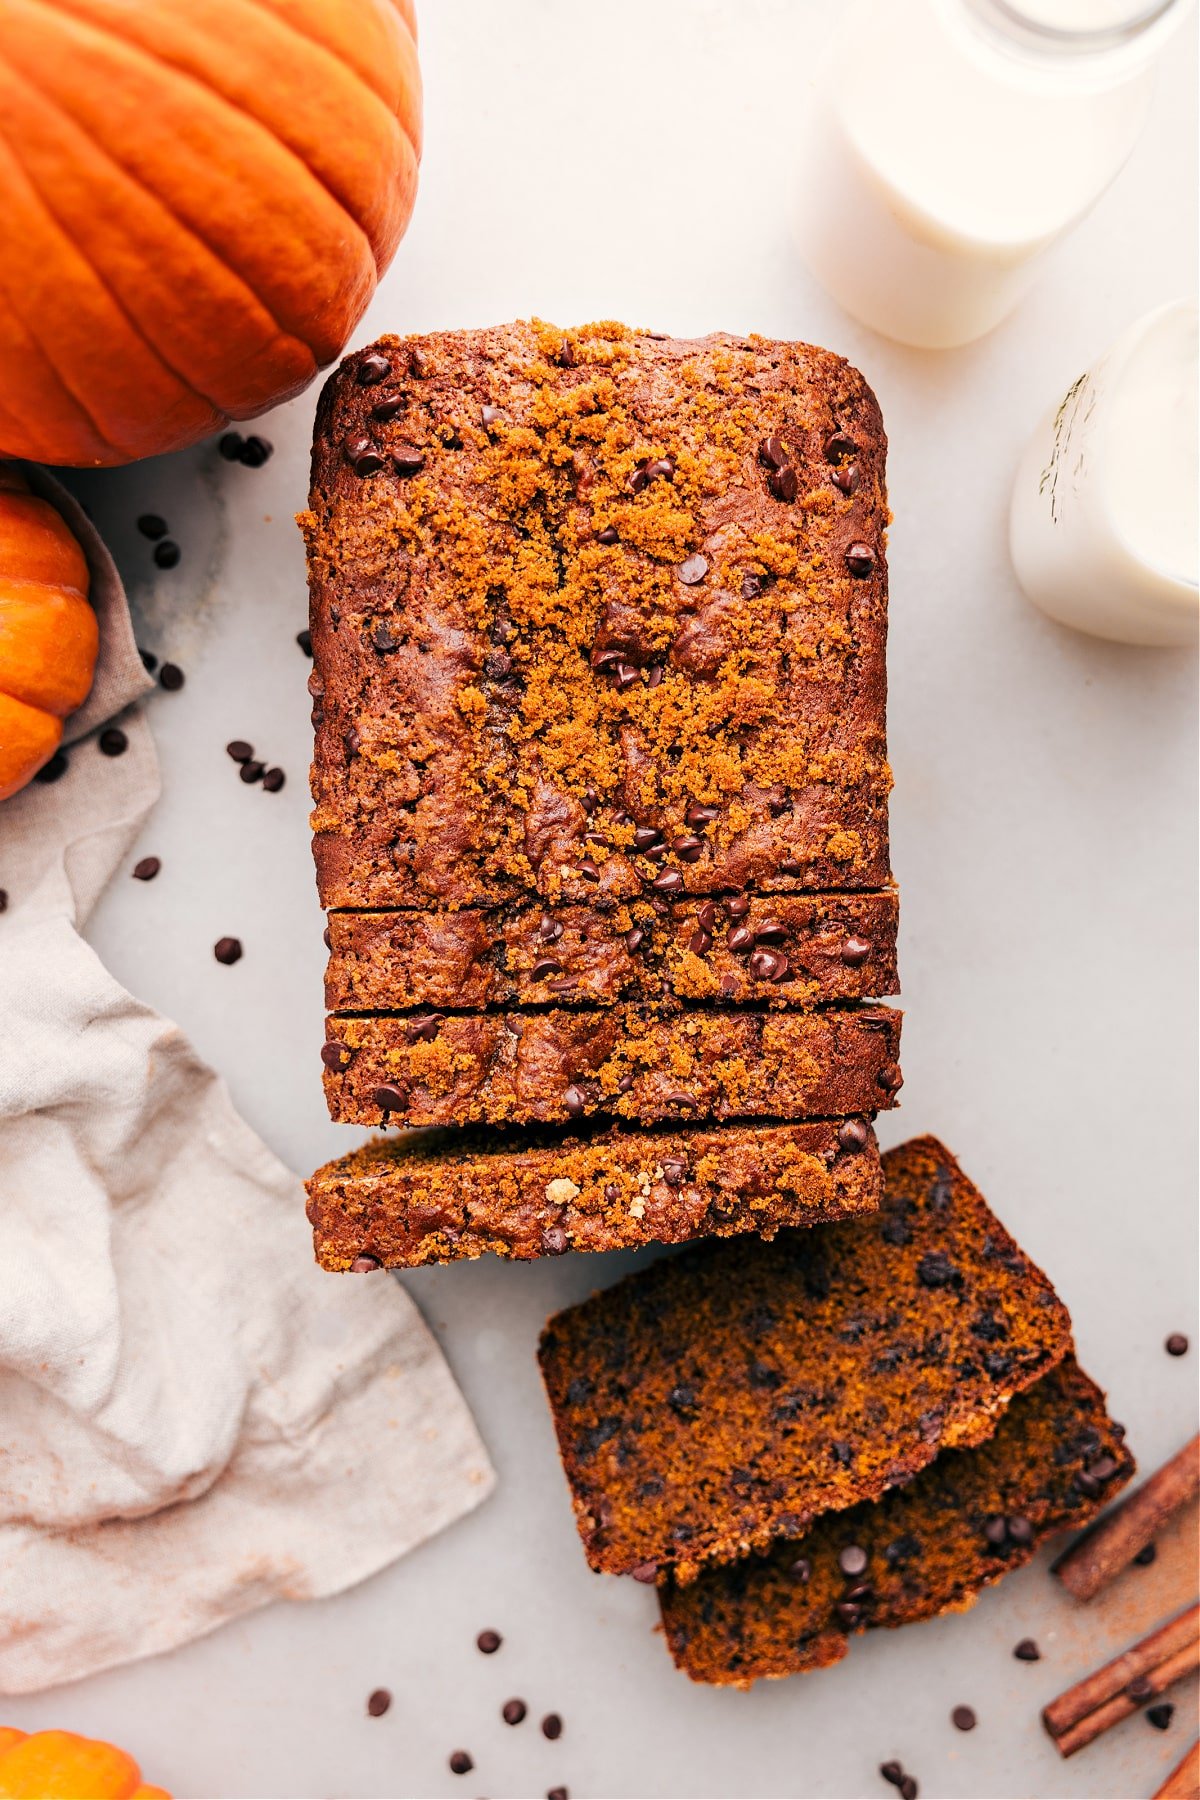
(734, 1393)
(569, 587)
(633, 1062)
(787, 949)
(930, 1547)
(456, 1195)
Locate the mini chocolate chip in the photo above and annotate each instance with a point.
(460, 1763)
(689, 848)
(304, 639)
(739, 938)
(800, 1570)
(661, 469)
(1146, 1555)
(1087, 1484)
(995, 1530)
(700, 943)
(227, 950)
(693, 570)
(638, 478)
(892, 1773)
(853, 1134)
(408, 460)
(167, 553)
(963, 1718)
(489, 1642)
(1027, 1651)
(230, 446)
(239, 750)
(706, 915)
(1176, 1344)
(654, 675)
(752, 586)
(608, 535)
(1160, 1716)
(362, 455)
(1103, 1469)
(335, 1055)
(1140, 1689)
(552, 1725)
(625, 1084)
(555, 1241)
(1019, 1529)
(544, 967)
(170, 676)
(685, 1102)
(390, 1098)
(273, 780)
(682, 1399)
(588, 870)
(558, 1793)
(645, 836)
(147, 868)
(113, 741)
(149, 661)
(908, 1788)
(255, 452)
(634, 940)
(860, 560)
(855, 951)
(737, 906)
(768, 965)
(673, 1172)
(773, 452)
(372, 369)
(626, 675)
(667, 881)
(889, 1078)
(152, 526)
(646, 1572)
(423, 1031)
(513, 1711)
(575, 1101)
(846, 479)
(387, 409)
(769, 932)
(783, 483)
(698, 816)
(839, 447)
(848, 1612)
(852, 1559)
(252, 771)
(378, 1703)
(383, 637)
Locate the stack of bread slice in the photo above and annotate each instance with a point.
(847, 1428)
(598, 622)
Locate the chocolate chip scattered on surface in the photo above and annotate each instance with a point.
(147, 868)
(378, 1703)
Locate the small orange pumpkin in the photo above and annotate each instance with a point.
(199, 198)
(48, 631)
(58, 1765)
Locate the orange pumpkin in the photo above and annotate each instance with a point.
(199, 198)
(48, 632)
(57, 1765)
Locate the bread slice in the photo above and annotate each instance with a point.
(736, 1392)
(782, 949)
(930, 1547)
(632, 1062)
(450, 1195)
(573, 588)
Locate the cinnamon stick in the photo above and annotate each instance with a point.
(1112, 1543)
(1102, 1699)
(1183, 1783)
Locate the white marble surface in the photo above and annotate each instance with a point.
(634, 161)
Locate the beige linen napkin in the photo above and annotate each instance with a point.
(194, 1419)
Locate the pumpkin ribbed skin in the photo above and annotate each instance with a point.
(48, 632)
(200, 196)
(58, 1765)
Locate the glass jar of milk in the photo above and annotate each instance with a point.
(950, 142)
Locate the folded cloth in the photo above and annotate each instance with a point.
(194, 1419)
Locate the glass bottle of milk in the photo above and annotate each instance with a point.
(950, 142)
